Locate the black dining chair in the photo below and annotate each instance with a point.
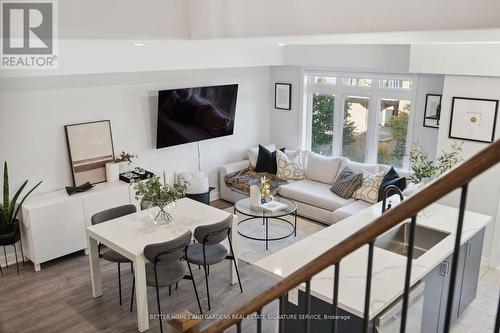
(108, 254)
(208, 250)
(166, 268)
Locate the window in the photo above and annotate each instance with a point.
(396, 84)
(322, 123)
(364, 118)
(392, 131)
(357, 82)
(355, 128)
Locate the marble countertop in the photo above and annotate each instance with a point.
(388, 267)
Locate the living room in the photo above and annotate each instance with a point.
(414, 88)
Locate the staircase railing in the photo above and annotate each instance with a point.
(408, 209)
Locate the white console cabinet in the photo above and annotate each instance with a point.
(54, 224)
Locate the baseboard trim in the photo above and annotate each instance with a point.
(214, 195)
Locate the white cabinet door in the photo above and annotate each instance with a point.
(105, 199)
(55, 230)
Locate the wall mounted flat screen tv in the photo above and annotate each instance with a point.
(195, 114)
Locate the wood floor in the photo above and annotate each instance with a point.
(59, 298)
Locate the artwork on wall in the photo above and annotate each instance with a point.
(283, 96)
(90, 147)
(432, 112)
(473, 119)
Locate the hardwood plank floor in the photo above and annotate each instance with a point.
(59, 298)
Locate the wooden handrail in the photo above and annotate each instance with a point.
(458, 177)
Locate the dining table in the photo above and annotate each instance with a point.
(129, 234)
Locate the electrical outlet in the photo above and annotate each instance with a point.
(293, 296)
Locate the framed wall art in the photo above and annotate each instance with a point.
(473, 119)
(432, 112)
(90, 147)
(283, 96)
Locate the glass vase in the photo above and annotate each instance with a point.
(163, 213)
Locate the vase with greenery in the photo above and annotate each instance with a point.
(425, 170)
(125, 161)
(161, 198)
(9, 210)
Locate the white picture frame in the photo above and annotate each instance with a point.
(473, 119)
(283, 96)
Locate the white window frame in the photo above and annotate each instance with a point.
(375, 93)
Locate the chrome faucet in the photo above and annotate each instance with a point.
(386, 193)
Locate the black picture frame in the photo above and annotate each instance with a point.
(287, 86)
(453, 103)
(432, 118)
(67, 129)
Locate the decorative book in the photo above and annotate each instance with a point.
(273, 206)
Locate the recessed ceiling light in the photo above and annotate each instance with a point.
(138, 44)
(281, 44)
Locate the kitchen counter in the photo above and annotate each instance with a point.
(388, 267)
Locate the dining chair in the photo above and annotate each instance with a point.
(208, 250)
(166, 268)
(108, 254)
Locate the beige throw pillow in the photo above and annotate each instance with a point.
(290, 167)
(368, 191)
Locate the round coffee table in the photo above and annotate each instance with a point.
(244, 207)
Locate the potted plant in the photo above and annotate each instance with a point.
(124, 161)
(424, 170)
(9, 210)
(161, 197)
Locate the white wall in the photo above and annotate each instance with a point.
(230, 18)
(427, 137)
(33, 113)
(483, 194)
(456, 59)
(285, 124)
(96, 19)
(360, 58)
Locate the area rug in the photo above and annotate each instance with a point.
(252, 251)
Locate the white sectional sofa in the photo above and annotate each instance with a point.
(312, 195)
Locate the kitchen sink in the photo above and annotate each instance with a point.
(396, 240)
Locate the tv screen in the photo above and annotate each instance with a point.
(195, 114)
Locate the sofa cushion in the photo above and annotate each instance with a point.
(266, 161)
(391, 178)
(322, 168)
(349, 210)
(290, 166)
(347, 182)
(401, 172)
(313, 193)
(253, 153)
(368, 191)
(359, 167)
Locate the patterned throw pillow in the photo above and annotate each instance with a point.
(289, 166)
(368, 191)
(346, 183)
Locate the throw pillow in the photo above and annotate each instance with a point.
(266, 161)
(391, 178)
(368, 191)
(290, 166)
(253, 153)
(346, 183)
(322, 169)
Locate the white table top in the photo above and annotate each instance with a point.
(388, 267)
(131, 233)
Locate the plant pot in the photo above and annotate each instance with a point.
(10, 236)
